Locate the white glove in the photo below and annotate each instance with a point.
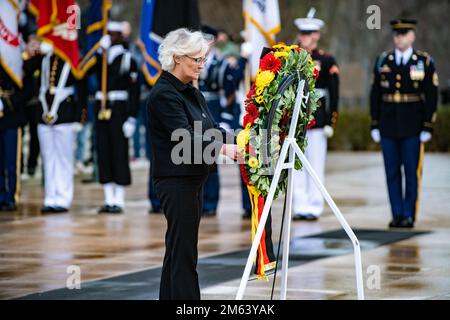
(45, 48)
(246, 49)
(1, 105)
(425, 136)
(328, 131)
(77, 127)
(105, 42)
(376, 137)
(129, 127)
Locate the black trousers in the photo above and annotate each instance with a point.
(182, 203)
(112, 152)
(33, 144)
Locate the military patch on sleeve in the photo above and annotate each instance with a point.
(334, 69)
(435, 79)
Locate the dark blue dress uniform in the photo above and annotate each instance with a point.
(216, 83)
(122, 102)
(11, 119)
(403, 104)
(328, 83)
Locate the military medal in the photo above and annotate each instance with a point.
(417, 72)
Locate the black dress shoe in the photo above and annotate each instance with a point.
(247, 214)
(8, 207)
(31, 171)
(210, 213)
(116, 209)
(305, 217)
(395, 223)
(105, 209)
(60, 209)
(47, 209)
(406, 223)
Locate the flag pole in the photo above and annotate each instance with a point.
(103, 114)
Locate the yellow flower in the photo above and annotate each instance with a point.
(294, 46)
(264, 78)
(253, 162)
(242, 137)
(248, 126)
(259, 91)
(279, 46)
(259, 99)
(280, 54)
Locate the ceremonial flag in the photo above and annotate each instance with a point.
(97, 20)
(150, 43)
(262, 23)
(158, 19)
(10, 55)
(56, 26)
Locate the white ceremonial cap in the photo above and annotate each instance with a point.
(309, 23)
(115, 26)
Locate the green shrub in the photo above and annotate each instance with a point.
(441, 135)
(352, 131)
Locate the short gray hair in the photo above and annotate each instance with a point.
(180, 42)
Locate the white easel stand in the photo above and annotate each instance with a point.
(291, 145)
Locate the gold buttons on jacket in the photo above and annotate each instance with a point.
(398, 77)
(53, 71)
(398, 85)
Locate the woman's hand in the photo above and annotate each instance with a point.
(230, 150)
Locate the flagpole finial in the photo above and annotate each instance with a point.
(311, 13)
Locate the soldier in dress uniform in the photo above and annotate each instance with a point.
(308, 201)
(116, 120)
(62, 99)
(218, 86)
(403, 109)
(12, 118)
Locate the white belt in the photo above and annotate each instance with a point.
(65, 91)
(117, 95)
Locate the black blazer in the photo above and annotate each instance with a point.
(174, 105)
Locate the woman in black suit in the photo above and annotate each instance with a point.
(186, 140)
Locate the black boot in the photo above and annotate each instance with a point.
(406, 223)
(395, 223)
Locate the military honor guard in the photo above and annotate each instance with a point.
(62, 99)
(308, 201)
(12, 118)
(403, 104)
(116, 112)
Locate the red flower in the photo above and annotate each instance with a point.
(251, 93)
(270, 63)
(298, 49)
(251, 115)
(311, 124)
(316, 73)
